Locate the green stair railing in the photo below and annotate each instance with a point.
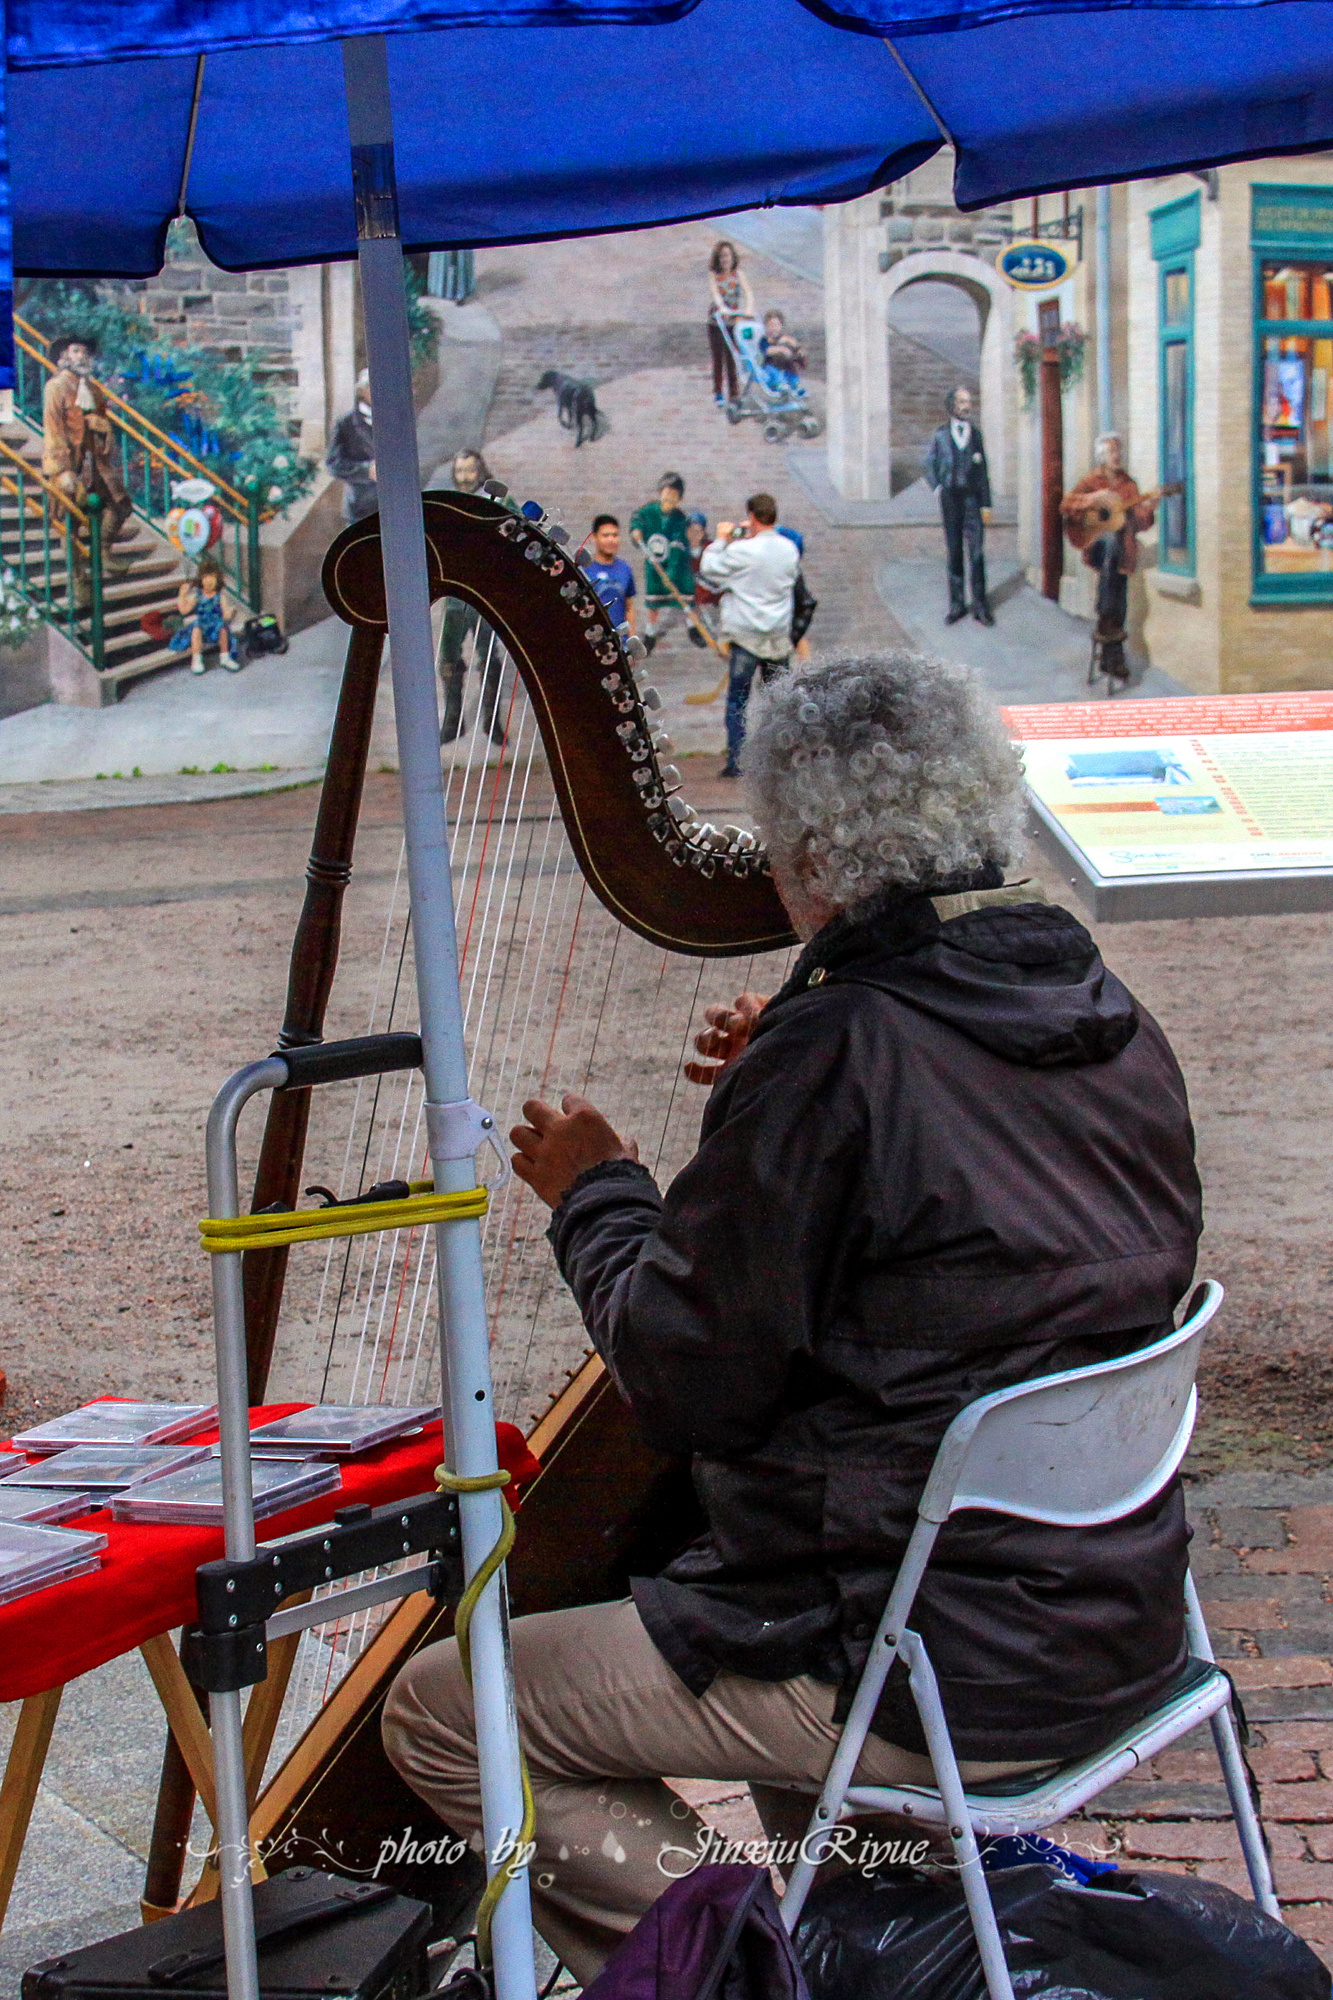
(149, 461)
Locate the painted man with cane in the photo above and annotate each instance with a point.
(956, 469)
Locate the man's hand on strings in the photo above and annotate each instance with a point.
(555, 1147)
(727, 1034)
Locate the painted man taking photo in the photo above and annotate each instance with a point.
(755, 569)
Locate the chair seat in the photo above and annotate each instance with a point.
(1022, 1805)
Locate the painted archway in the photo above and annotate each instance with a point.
(857, 294)
(992, 298)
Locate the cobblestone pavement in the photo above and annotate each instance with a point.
(628, 312)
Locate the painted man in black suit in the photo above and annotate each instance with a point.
(956, 465)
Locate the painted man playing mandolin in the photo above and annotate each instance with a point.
(1104, 515)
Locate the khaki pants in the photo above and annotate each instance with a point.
(602, 1718)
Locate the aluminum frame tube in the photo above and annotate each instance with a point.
(238, 1511)
(233, 1830)
(238, 1514)
(465, 1344)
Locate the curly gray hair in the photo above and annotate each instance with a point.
(889, 771)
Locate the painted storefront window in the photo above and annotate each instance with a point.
(1293, 232)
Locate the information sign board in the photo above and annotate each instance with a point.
(1217, 805)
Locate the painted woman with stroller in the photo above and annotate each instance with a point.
(730, 295)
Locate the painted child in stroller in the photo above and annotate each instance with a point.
(770, 393)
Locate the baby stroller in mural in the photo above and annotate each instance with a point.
(773, 396)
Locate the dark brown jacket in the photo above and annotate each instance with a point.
(960, 1159)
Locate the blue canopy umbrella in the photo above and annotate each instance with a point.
(613, 114)
(514, 121)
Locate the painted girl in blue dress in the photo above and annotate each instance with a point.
(204, 624)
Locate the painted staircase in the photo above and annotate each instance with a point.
(102, 614)
(143, 574)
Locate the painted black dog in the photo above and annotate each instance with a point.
(576, 403)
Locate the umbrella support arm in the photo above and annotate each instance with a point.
(465, 1347)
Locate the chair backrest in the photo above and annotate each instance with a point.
(1089, 1445)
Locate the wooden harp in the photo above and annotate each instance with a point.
(605, 1506)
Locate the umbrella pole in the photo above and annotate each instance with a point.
(465, 1347)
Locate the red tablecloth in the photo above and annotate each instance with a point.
(146, 1582)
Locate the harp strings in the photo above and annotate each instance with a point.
(557, 995)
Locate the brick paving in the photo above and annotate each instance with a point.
(1263, 1561)
(1264, 1567)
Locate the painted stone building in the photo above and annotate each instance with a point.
(295, 329)
(1213, 297)
(875, 250)
(1230, 373)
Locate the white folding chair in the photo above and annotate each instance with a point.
(1074, 1450)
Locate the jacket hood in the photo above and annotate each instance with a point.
(1020, 977)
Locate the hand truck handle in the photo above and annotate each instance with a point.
(340, 1062)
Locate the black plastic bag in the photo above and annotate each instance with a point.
(906, 1936)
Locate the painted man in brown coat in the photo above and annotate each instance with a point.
(78, 448)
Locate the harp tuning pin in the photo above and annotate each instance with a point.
(670, 777)
(635, 647)
(560, 536)
(680, 812)
(650, 697)
(495, 489)
(662, 742)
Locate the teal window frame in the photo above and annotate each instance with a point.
(1305, 241)
(1175, 230)
(1179, 333)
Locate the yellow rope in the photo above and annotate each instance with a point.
(312, 1225)
(488, 1482)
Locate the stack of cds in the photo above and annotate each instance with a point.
(339, 1430)
(43, 1505)
(96, 1468)
(195, 1495)
(108, 1422)
(35, 1558)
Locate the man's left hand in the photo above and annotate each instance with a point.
(555, 1147)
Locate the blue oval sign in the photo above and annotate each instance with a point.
(1036, 265)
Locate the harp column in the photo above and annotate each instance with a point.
(469, 1403)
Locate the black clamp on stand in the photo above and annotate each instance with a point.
(227, 1650)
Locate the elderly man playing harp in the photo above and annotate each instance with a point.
(950, 1154)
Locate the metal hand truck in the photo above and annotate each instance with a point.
(239, 1596)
